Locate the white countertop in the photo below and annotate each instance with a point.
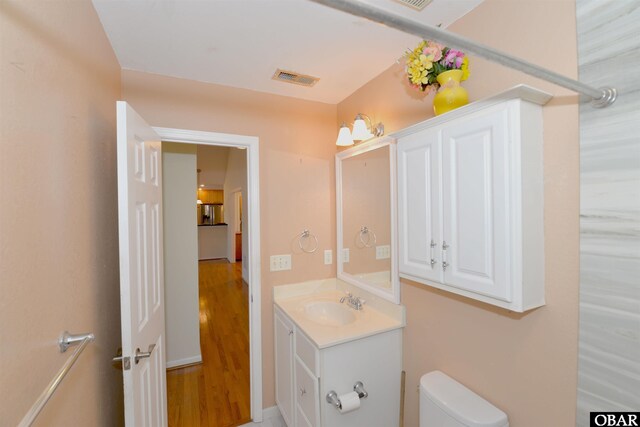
(377, 315)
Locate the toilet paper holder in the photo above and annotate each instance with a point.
(358, 387)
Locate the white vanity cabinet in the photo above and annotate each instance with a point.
(283, 337)
(305, 374)
(470, 201)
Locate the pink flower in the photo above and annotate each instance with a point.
(435, 51)
(453, 58)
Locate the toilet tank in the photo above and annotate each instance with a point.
(445, 402)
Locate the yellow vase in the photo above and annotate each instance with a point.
(450, 95)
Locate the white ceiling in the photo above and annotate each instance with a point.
(241, 43)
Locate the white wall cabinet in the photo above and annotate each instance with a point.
(470, 201)
(305, 374)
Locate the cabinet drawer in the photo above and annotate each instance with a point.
(306, 391)
(307, 352)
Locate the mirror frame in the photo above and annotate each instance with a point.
(394, 295)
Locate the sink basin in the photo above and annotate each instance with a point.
(329, 313)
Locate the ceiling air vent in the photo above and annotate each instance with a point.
(415, 4)
(295, 78)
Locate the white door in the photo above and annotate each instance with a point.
(141, 270)
(475, 167)
(420, 205)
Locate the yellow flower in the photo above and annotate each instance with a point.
(426, 61)
(465, 69)
(418, 65)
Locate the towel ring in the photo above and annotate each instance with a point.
(306, 235)
(371, 241)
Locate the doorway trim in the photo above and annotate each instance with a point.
(251, 144)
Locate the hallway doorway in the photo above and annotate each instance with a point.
(226, 389)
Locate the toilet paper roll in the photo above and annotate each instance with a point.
(350, 402)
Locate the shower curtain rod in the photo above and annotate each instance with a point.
(599, 97)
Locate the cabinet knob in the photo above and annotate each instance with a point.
(432, 246)
(290, 331)
(302, 391)
(445, 264)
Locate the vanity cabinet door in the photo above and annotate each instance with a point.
(476, 239)
(419, 205)
(283, 330)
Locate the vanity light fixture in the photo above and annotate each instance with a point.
(361, 131)
(344, 136)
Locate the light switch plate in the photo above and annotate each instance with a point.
(345, 255)
(383, 252)
(328, 257)
(280, 262)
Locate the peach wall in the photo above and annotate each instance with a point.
(58, 212)
(524, 364)
(296, 169)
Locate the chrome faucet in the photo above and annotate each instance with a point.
(352, 301)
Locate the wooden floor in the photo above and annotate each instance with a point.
(216, 393)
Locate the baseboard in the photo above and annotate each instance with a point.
(267, 414)
(182, 362)
(213, 259)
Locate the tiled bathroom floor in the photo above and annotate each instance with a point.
(273, 422)
(271, 418)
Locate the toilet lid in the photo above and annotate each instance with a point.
(460, 402)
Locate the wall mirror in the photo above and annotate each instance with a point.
(366, 218)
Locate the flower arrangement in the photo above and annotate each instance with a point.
(428, 60)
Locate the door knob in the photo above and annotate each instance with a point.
(119, 358)
(143, 355)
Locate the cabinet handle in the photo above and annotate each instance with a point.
(445, 264)
(302, 391)
(433, 260)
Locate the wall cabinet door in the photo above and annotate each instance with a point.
(283, 330)
(419, 205)
(476, 207)
(211, 197)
